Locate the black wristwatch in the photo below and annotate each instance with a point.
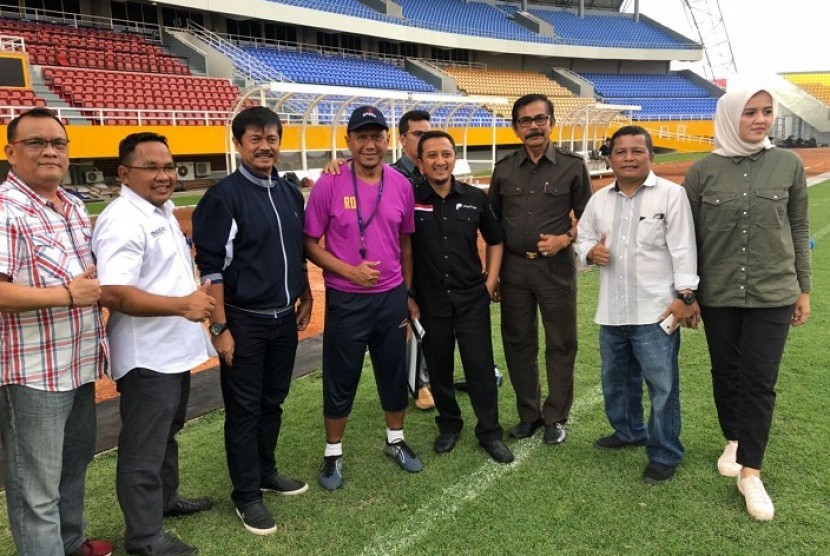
(411, 293)
(216, 328)
(688, 297)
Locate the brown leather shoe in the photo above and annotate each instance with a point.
(424, 401)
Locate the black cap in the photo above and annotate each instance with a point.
(366, 115)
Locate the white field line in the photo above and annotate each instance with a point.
(453, 498)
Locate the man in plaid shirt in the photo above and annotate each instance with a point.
(53, 346)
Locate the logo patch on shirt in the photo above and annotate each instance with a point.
(158, 231)
(460, 206)
(424, 208)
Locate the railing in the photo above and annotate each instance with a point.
(249, 67)
(110, 116)
(12, 43)
(151, 31)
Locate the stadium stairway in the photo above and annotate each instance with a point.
(53, 100)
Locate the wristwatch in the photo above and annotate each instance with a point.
(216, 328)
(687, 297)
(411, 293)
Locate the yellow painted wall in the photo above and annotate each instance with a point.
(102, 141)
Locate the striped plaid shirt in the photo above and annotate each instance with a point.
(61, 348)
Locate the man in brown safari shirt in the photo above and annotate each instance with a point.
(533, 192)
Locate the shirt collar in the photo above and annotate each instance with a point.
(146, 207)
(424, 191)
(408, 165)
(550, 153)
(651, 181)
(35, 197)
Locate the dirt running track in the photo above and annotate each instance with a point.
(816, 161)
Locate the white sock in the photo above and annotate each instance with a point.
(393, 436)
(333, 449)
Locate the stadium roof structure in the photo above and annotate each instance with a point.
(589, 4)
(301, 104)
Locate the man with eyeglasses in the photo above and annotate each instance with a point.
(248, 231)
(156, 337)
(538, 193)
(54, 347)
(366, 214)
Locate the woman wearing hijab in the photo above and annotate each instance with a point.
(749, 202)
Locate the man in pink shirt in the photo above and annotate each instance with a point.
(366, 214)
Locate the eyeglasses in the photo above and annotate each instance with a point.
(39, 145)
(168, 169)
(539, 120)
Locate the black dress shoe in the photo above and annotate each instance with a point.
(497, 450)
(524, 430)
(656, 473)
(188, 506)
(555, 434)
(445, 442)
(613, 442)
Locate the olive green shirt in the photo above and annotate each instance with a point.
(752, 229)
(531, 199)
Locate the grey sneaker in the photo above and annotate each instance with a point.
(257, 519)
(331, 475)
(404, 455)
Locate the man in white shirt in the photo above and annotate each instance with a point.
(156, 336)
(639, 230)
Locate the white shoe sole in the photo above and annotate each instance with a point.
(286, 493)
(255, 531)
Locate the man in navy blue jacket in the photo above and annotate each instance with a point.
(248, 231)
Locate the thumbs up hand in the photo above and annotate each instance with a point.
(599, 253)
(198, 305)
(84, 289)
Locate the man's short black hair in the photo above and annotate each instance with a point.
(435, 134)
(39, 112)
(529, 99)
(633, 130)
(257, 117)
(412, 116)
(128, 144)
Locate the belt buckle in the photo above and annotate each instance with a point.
(532, 255)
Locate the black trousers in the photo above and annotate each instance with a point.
(745, 349)
(546, 286)
(153, 407)
(470, 325)
(253, 390)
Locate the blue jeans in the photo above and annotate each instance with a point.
(630, 355)
(48, 440)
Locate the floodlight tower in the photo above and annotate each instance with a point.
(707, 19)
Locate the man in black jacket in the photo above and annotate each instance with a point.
(248, 231)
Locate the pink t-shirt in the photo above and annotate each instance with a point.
(331, 212)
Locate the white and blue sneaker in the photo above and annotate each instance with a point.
(331, 475)
(404, 455)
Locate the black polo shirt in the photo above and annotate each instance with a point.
(448, 269)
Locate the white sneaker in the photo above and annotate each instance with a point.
(758, 503)
(727, 465)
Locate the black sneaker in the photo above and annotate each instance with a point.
(168, 545)
(656, 473)
(257, 519)
(613, 442)
(283, 485)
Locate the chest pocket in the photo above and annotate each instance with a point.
(51, 260)
(771, 206)
(467, 220)
(719, 210)
(652, 232)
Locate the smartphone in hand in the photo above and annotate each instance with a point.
(667, 324)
